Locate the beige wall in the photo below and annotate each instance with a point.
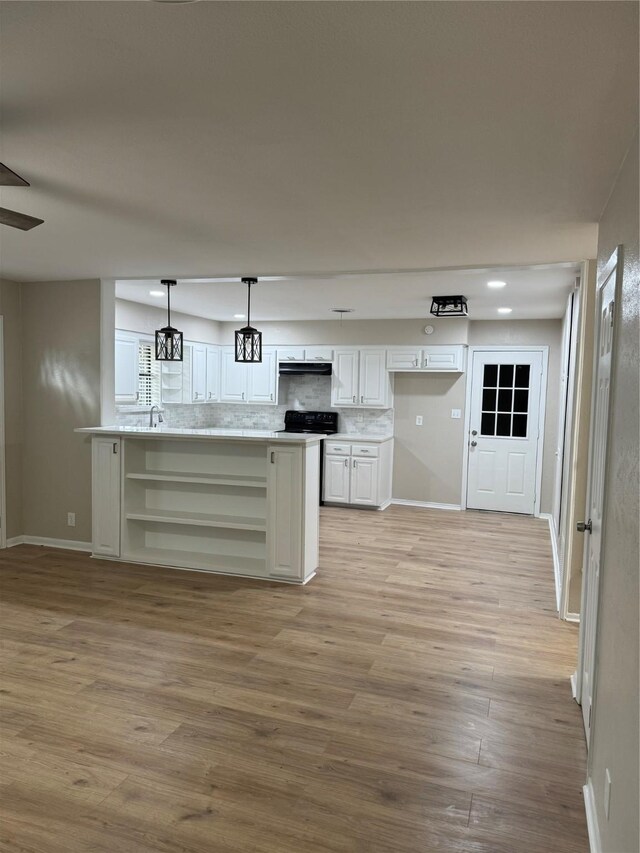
(614, 742)
(61, 381)
(135, 317)
(10, 309)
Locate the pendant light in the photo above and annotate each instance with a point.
(248, 339)
(449, 306)
(168, 339)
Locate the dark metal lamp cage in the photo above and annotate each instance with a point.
(449, 306)
(169, 340)
(248, 339)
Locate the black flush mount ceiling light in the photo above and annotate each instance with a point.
(168, 339)
(449, 306)
(248, 339)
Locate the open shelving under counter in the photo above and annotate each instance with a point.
(242, 503)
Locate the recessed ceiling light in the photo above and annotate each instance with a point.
(505, 310)
(496, 284)
(156, 293)
(239, 316)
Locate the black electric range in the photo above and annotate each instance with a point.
(312, 423)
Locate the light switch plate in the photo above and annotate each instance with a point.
(456, 413)
(418, 420)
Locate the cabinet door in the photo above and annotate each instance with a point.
(443, 358)
(105, 495)
(344, 379)
(198, 373)
(126, 369)
(213, 374)
(318, 354)
(263, 379)
(284, 512)
(404, 359)
(291, 354)
(337, 474)
(364, 482)
(233, 378)
(374, 379)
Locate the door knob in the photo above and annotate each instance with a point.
(474, 432)
(584, 527)
(474, 444)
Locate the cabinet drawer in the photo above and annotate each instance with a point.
(337, 448)
(318, 354)
(291, 354)
(364, 449)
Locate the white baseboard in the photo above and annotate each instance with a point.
(572, 617)
(592, 818)
(66, 544)
(426, 504)
(556, 555)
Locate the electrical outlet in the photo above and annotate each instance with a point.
(71, 519)
(418, 420)
(456, 414)
(607, 792)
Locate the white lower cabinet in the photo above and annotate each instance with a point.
(337, 479)
(105, 495)
(358, 473)
(233, 506)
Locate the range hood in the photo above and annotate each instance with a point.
(298, 368)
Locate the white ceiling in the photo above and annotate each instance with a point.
(214, 139)
(537, 293)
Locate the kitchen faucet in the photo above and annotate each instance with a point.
(160, 418)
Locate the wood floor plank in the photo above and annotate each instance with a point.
(413, 697)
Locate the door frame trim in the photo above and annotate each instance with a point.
(615, 261)
(544, 350)
(3, 456)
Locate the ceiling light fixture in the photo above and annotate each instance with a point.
(505, 310)
(496, 284)
(239, 316)
(449, 306)
(248, 339)
(168, 339)
(157, 293)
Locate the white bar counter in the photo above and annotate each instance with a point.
(239, 502)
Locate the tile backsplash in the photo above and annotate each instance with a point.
(305, 392)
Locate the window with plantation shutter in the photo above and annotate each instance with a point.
(148, 375)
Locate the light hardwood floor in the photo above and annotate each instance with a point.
(414, 697)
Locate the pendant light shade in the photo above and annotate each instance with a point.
(169, 340)
(248, 339)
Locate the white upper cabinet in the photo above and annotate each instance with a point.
(344, 378)
(126, 368)
(212, 388)
(244, 383)
(205, 372)
(322, 353)
(233, 378)
(198, 373)
(360, 379)
(263, 379)
(436, 359)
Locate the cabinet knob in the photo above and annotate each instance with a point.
(362, 399)
(346, 463)
(355, 399)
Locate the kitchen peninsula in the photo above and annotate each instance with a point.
(240, 502)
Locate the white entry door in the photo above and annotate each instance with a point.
(504, 430)
(605, 302)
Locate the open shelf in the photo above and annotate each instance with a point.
(198, 560)
(249, 482)
(201, 519)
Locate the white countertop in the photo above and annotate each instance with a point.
(170, 432)
(358, 436)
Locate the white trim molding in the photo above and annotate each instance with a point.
(45, 541)
(426, 504)
(557, 571)
(595, 845)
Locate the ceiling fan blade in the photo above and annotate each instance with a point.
(8, 178)
(18, 220)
